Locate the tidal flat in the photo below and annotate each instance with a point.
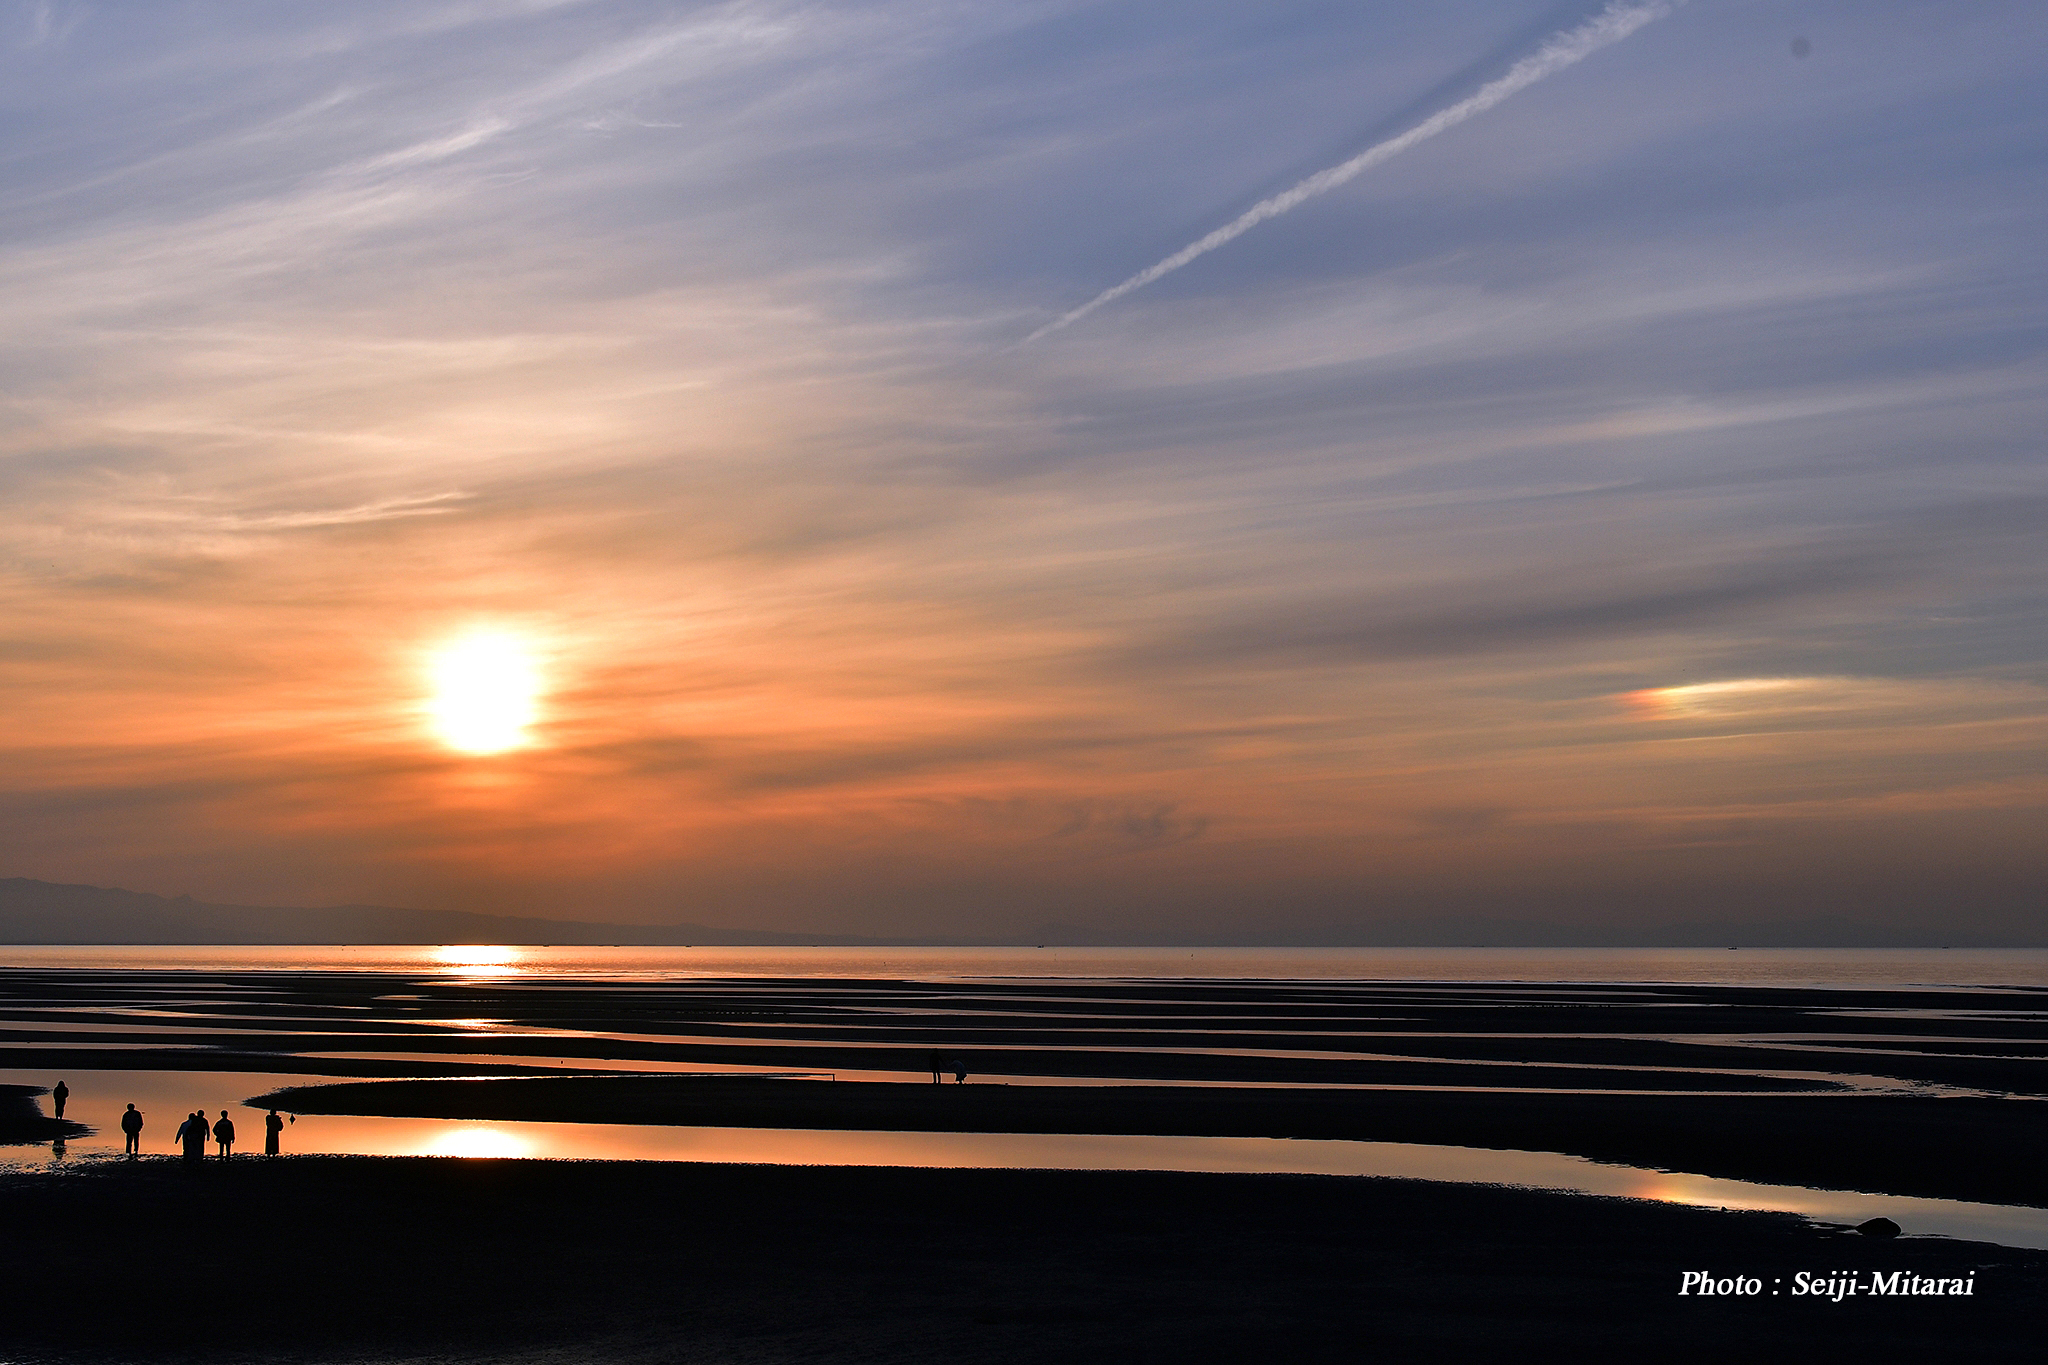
(1891, 1089)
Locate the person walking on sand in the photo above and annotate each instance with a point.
(131, 1124)
(59, 1095)
(272, 1126)
(224, 1134)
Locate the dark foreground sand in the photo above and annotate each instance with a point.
(383, 1259)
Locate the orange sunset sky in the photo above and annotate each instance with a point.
(1623, 509)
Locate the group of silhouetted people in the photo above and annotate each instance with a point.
(192, 1133)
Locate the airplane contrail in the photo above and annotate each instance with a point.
(1559, 51)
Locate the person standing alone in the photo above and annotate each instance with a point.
(272, 1126)
(59, 1095)
(131, 1124)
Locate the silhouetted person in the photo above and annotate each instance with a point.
(938, 1069)
(224, 1134)
(959, 1072)
(131, 1124)
(272, 1126)
(59, 1095)
(192, 1136)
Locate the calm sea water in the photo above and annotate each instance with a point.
(1839, 967)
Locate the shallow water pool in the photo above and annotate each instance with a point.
(98, 1099)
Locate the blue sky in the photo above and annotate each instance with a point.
(1622, 508)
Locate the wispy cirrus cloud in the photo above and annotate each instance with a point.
(1560, 50)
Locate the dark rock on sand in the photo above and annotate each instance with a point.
(1878, 1227)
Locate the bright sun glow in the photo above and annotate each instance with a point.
(485, 693)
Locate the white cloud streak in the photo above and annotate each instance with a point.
(1559, 51)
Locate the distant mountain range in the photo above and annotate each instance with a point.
(49, 912)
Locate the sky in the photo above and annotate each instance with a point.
(1621, 507)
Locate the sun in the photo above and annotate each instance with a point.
(486, 691)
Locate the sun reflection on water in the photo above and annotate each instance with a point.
(478, 959)
(477, 1142)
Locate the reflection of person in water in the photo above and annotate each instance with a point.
(59, 1095)
(224, 1133)
(131, 1124)
(272, 1126)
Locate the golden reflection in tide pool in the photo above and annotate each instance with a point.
(477, 959)
(1710, 1192)
(478, 1142)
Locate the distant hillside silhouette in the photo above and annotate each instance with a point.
(50, 912)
